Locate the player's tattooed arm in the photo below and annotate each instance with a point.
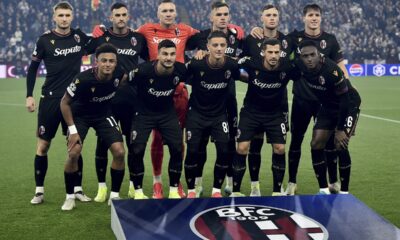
(73, 136)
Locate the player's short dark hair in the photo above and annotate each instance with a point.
(166, 43)
(312, 6)
(269, 6)
(63, 5)
(270, 41)
(218, 4)
(307, 43)
(106, 48)
(165, 1)
(216, 34)
(118, 5)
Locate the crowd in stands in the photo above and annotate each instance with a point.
(366, 30)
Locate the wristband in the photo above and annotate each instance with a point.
(72, 129)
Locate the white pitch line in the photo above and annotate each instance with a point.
(379, 118)
(12, 104)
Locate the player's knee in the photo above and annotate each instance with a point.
(279, 148)
(243, 148)
(317, 144)
(119, 153)
(74, 153)
(42, 147)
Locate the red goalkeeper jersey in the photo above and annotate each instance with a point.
(178, 33)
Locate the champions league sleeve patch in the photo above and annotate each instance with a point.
(255, 222)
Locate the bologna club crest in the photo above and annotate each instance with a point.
(133, 41)
(77, 38)
(322, 44)
(255, 222)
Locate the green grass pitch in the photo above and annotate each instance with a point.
(374, 180)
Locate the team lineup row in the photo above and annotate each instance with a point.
(146, 99)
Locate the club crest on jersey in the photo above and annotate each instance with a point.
(116, 82)
(92, 89)
(176, 80)
(151, 80)
(177, 32)
(232, 39)
(77, 38)
(107, 39)
(284, 43)
(52, 41)
(322, 44)
(188, 135)
(133, 41)
(133, 135)
(283, 75)
(228, 74)
(41, 130)
(321, 80)
(255, 222)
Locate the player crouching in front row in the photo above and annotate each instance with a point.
(85, 104)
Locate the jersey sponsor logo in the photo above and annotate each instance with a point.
(243, 59)
(322, 44)
(66, 51)
(107, 39)
(133, 41)
(102, 99)
(210, 86)
(255, 222)
(356, 70)
(379, 70)
(262, 85)
(228, 74)
(229, 50)
(156, 93)
(77, 38)
(157, 40)
(126, 51)
(317, 87)
(321, 80)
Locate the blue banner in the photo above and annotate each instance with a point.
(318, 217)
(378, 70)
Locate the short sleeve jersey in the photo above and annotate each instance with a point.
(210, 85)
(155, 91)
(327, 45)
(130, 47)
(199, 41)
(90, 96)
(253, 46)
(62, 56)
(266, 90)
(327, 83)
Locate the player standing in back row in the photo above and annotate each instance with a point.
(61, 50)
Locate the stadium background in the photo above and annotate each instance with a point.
(368, 32)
